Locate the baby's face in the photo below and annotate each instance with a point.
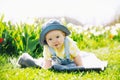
(55, 38)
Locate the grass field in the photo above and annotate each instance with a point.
(9, 71)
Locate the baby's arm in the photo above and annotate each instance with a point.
(78, 60)
(74, 50)
(47, 64)
(47, 58)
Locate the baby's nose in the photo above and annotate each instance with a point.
(55, 41)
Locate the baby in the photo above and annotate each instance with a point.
(59, 48)
(53, 36)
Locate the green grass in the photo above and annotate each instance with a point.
(110, 53)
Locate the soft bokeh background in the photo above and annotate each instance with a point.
(95, 12)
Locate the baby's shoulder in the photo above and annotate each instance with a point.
(71, 41)
(46, 47)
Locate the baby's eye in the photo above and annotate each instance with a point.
(57, 36)
(50, 39)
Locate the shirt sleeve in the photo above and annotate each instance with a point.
(46, 53)
(74, 50)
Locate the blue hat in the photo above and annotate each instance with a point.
(49, 26)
